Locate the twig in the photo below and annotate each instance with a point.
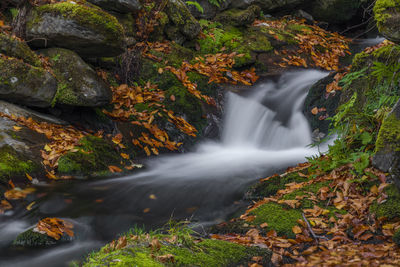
(316, 237)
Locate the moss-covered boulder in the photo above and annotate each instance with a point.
(84, 28)
(209, 8)
(335, 11)
(14, 47)
(92, 157)
(182, 24)
(25, 84)
(34, 239)
(390, 208)
(269, 6)
(237, 17)
(387, 147)
(121, 6)
(387, 16)
(317, 97)
(78, 83)
(175, 249)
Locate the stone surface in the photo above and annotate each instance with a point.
(86, 29)
(14, 47)
(237, 17)
(334, 11)
(121, 6)
(209, 10)
(268, 5)
(79, 84)
(387, 16)
(181, 20)
(25, 84)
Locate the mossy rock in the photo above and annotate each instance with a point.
(389, 209)
(94, 155)
(32, 239)
(213, 253)
(396, 237)
(121, 6)
(79, 84)
(14, 164)
(335, 11)
(181, 18)
(26, 84)
(273, 185)
(84, 28)
(238, 17)
(14, 47)
(278, 217)
(387, 16)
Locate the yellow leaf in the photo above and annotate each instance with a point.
(47, 148)
(125, 156)
(296, 229)
(17, 128)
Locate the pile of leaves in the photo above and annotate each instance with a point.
(317, 47)
(63, 138)
(55, 228)
(125, 99)
(337, 229)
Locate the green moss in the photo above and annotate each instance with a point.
(13, 47)
(238, 17)
(33, 239)
(205, 253)
(278, 218)
(65, 95)
(88, 15)
(94, 155)
(396, 237)
(359, 61)
(391, 207)
(13, 164)
(389, 135)
(381, 7)
(273, 185)
(203, 85)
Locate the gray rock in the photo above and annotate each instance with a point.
(181, 18)
(334, 11)
(85, 29)
(33, 239)
(25, 84)
(387, 147)
(121, 6)
(237, 17)
(79, 84)
(209, 10)
(387, 16)
(14, 47)
(268, 6)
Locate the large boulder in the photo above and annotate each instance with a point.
(182, 23)
(387, 147)
(334, 11)
(209, 10)
(238, 17)
(84, 28)
(121, 6)
(26, 84)
(79, 84)
(387, 16)
(14, 47)
(268, 6)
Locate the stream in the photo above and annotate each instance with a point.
(264, 132)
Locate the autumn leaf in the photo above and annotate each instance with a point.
(55, 228)
(114, 169)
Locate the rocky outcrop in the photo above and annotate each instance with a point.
(387, 16)
(387, 147)
(83, 28)
(26, 84)
(182, 23)
(121, 6)
(268, 6)
(334, 11)
(237, 17)
(78, 83)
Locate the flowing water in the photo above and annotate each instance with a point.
(264, 132)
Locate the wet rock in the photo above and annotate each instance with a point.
(83, 28)
(121, 6)
(14, 47)
(237, 17)
(181, 20)
(387, 16)
(387, 147)
(79, 84)
(318, 98)
(20, 150)
(25, 84)
(209, 10)
(334, 11)
(268, 5)
(33, 239)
